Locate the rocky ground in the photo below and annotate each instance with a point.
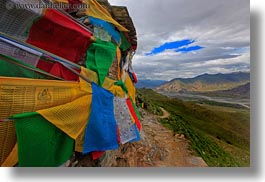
(159, 147)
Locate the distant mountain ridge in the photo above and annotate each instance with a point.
(149, 83)
(206, 83)
(242, 91)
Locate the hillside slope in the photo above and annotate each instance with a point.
(242, 91)
(219, 134)
(159, 147)
(206, 83)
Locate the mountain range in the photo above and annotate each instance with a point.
(149, 83)
(207, 83)
(242, 91)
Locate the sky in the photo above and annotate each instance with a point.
(187, 38)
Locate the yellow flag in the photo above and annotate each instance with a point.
(12, 159)
(95, 10)
(130, 86)
(7, 139)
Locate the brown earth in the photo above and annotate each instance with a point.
(165, 113)
(159, 147)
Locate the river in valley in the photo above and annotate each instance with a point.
(196, 97)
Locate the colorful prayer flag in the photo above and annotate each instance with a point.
(41, 144)
(101, 129)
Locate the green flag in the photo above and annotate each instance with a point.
(100, 56)
(41, 144)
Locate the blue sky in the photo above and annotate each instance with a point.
(177, 46)
(187, 38)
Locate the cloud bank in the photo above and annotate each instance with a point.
(186, 38)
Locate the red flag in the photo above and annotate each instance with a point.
(97, 155)
(133, 113)
(60, 35)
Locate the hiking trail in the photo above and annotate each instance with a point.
(165, 113)
(159, 147)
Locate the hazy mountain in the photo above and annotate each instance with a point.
(206, 83)
(149, 83)
(242, 91)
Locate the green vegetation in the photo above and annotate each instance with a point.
(225, 84)
(214, 103)
(242, 91)
(220, 135)
(149, 105)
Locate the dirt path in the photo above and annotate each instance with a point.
(159, 147)
(165, 113)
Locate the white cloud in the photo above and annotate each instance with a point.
(242, 59)
(222, 27)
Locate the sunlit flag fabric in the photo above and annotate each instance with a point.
(118, 56)
(101, 129)
(131, 88)
(12, 158)
(41, 144)
(97, 155)
(125, 45)
(60, 35)
(136, 109)
(7, 64)
(44, 120)
(100, 56)
(133, 114)
(70, 117)
(124, 120)
(60, 71)
(108, 27)
(47, 29)
(7, 138)
(101, 34)
(17, 21)
(19, 95)
(66, 105)
(138, 137)
(108, 83)
(21, 56)
(20, 52)
(95, 10)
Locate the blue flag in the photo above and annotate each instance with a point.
(101, 130)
